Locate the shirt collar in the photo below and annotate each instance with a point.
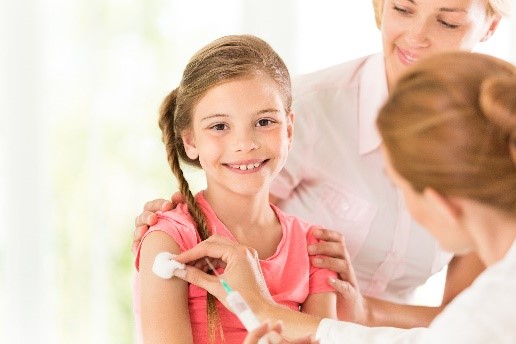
(372, 94)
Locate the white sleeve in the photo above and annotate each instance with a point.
(333, 331)
(483, 313)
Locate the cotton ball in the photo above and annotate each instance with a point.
(164, 265)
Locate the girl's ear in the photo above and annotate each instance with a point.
(492, 27)
(290, 128)
(450, 211)
(189, 144)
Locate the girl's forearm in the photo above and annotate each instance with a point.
(295, 324)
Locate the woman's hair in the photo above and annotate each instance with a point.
(501, 7)
(225, 59)
(378, 11)
(450, 124)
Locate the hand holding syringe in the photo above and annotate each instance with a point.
(164, 266)
(237, 303)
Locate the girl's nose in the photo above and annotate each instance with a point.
(246, 141)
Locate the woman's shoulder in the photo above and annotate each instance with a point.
(342, 75)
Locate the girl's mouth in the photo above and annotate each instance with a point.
(246, 167)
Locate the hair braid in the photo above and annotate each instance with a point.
(171, 140)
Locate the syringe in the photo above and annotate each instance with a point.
(238, 305)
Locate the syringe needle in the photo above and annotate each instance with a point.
(212, 268)
(238, 305)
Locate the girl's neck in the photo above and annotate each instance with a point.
(249, 218)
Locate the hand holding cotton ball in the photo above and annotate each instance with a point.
(165, 265)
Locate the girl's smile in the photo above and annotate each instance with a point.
(247, 167)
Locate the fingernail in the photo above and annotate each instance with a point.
(180, 273)
(333, 280)
(311, 249)
(317, 261)
(275, 338)
(317, 231)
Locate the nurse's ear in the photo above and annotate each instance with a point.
(449, 210)
(493, 25)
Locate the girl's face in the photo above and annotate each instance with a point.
(428, 211)
(241, 135)
(413, 29)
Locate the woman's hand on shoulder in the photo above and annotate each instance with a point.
(148, 217)
(331, 253)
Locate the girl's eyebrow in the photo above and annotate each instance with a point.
(214, 116)
(221, 115)
(267, 111)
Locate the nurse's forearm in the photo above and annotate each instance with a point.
(384, 313)
(295, 324)
(462, 271)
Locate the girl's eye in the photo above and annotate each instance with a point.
(263, 122)
(447, 25)
(219, 126)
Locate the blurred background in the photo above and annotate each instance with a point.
(80, 151)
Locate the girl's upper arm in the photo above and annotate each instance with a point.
(164, 302)
(322, 305)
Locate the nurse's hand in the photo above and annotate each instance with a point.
(331, 253)
(148, 217)
(271, 334)
(242, 270)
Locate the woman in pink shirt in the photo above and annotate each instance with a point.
(231, 117)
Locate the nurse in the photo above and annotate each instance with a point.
(335, 173)
(449, 141)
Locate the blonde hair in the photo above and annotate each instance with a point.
(227, 58)
(450, 124)
(501, 7)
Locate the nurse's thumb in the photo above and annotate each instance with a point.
(201, 279)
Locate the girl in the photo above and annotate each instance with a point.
(230, 116)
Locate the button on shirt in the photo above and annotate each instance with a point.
(334, 176)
